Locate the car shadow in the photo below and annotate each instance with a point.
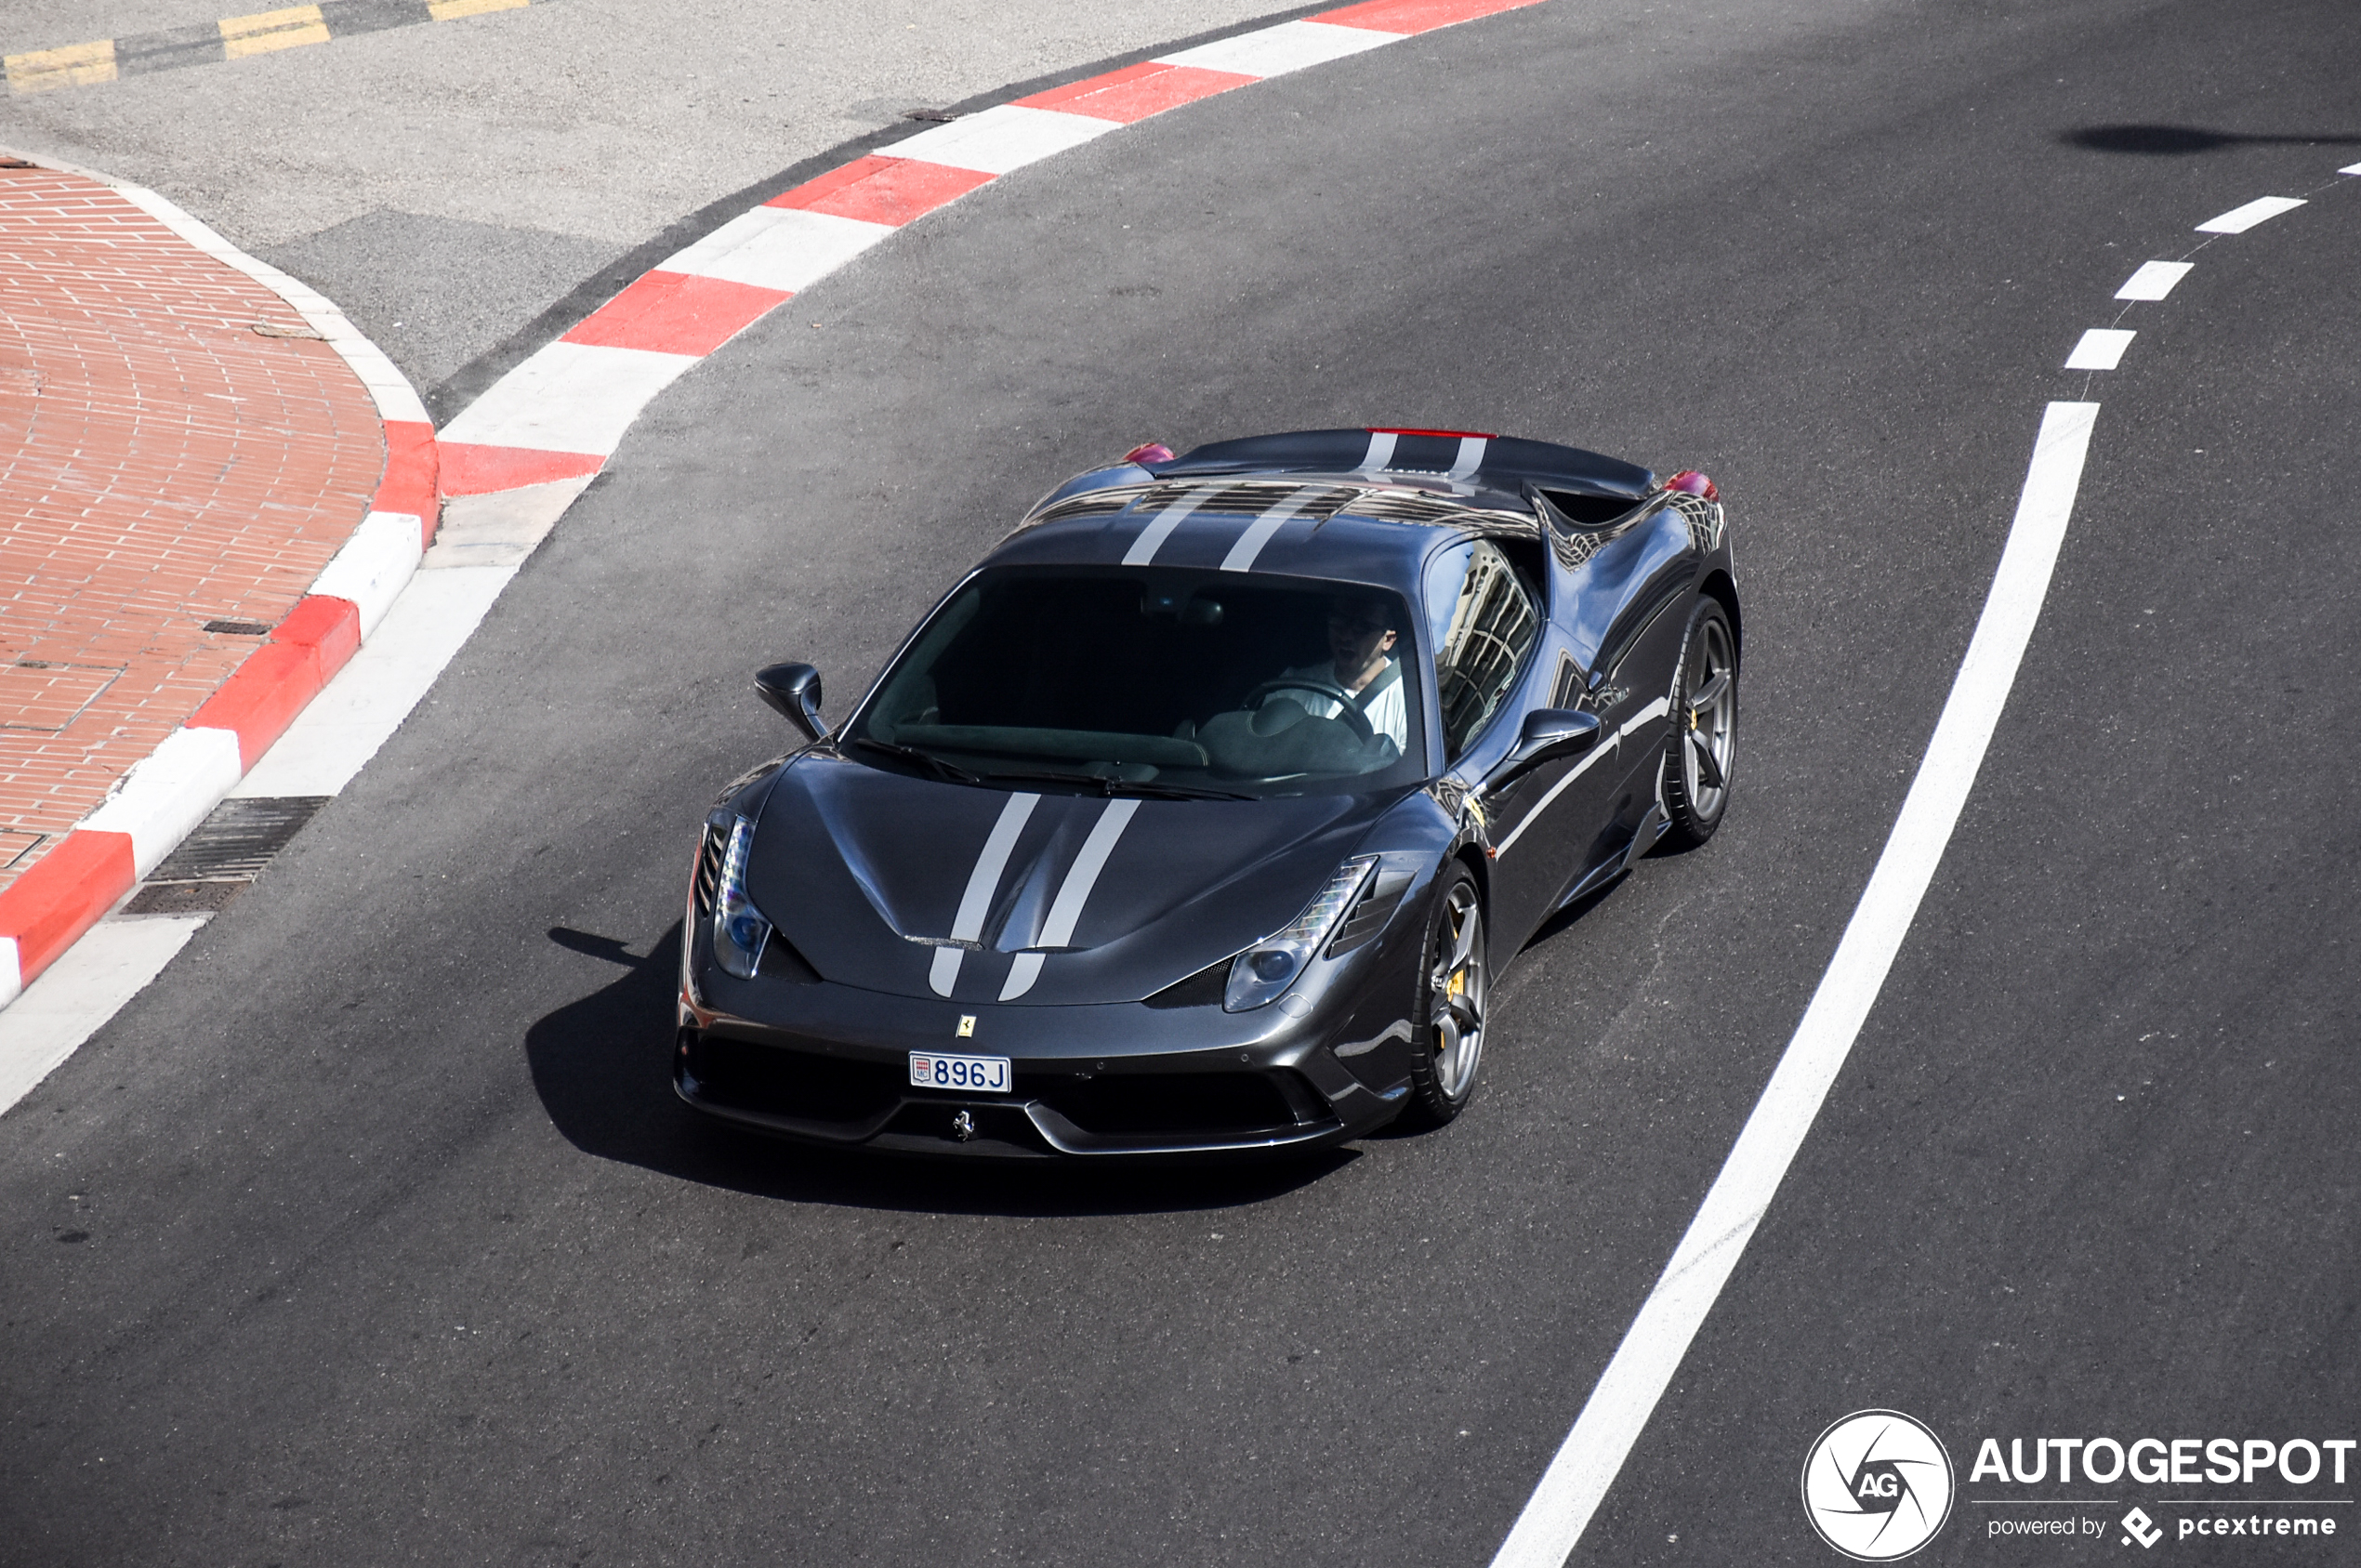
(602, 1066)
(2180, 141)
(1572, 912)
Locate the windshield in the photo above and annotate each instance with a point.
(1156, 682)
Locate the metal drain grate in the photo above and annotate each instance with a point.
(184, 898)
(238, 839)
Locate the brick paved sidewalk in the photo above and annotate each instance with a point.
(180, 455)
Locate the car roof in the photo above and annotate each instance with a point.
(1351, 506)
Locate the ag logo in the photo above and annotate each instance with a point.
(1877, 1485)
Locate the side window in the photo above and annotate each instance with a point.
(1485, 623)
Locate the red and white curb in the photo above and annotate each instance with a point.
(172, 789)
(509, 465)
(562, 412)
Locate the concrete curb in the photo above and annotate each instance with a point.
(170, 791)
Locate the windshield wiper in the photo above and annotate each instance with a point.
(932, 763)
(1143, 787)
(1157, 790)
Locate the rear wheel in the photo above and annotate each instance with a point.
(1705, 727)
(1446, 1019)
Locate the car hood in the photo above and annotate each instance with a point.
(1066, 899)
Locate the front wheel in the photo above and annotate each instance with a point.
(1447, 1017)
(1704, 729)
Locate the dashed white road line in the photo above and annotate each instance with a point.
(2154, 280)
(2101, 348)
(1588, 1462)
(2237, 220)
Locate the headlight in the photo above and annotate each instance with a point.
(1268, 967)
(738, 929)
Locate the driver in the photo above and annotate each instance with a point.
(1361, 639)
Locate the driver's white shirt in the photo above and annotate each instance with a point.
(1386, 714)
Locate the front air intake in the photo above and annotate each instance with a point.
(1369, 916)
(716, 844)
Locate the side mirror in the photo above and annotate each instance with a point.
(1548, 735)
(794, 690)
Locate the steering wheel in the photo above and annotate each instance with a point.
(1348, 710)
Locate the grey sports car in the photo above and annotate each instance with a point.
(1200, 815)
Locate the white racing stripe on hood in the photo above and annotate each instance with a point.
(1259, 532)
(1143, 550)
(1380, 452)
(982, 882)
(1065, 910)
(1471, 458)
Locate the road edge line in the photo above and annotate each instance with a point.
(1587, 1463)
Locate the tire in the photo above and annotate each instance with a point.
(1698, 753)
(1447, 1017)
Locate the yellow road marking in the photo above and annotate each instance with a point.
(76, 65)
(266, 31)
(81, 65)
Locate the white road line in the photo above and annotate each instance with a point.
(2101, 348)
(2350, 168)
(2154, 280)
(87, 986)
(1065, 910)
(2237, 220)
(1587, 1463)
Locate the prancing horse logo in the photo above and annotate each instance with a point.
(966, 1026)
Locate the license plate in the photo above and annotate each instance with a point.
(973, 1074)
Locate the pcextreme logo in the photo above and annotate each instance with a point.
(1877, 1485)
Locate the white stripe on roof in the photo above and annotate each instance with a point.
(1259, 532)
(1143, 550)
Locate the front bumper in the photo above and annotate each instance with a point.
(828, 1064)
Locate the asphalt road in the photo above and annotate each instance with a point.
(395, 1246)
